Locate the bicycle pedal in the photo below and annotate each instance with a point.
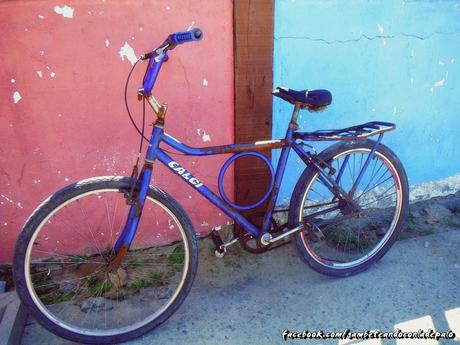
(220, 253)
(218, 242)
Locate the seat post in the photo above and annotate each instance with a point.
(295, 114)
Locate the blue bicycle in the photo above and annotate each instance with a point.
(108, 259)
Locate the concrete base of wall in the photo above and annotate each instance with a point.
(13, 316)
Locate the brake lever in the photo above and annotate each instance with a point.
(167, 45)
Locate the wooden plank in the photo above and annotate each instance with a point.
(253, 59)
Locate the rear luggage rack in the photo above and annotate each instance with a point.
(350, 133)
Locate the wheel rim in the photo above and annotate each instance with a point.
(136, 288)
(333, 239)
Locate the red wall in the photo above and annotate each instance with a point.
(71, 123)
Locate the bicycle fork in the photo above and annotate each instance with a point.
(126, 237)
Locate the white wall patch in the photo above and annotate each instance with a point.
(107, 43)
(205, 137)
(441, 82)
(40, 74)
(16, 97)
(128, 52)
(191, 25)
(65, 11)
(205, 82)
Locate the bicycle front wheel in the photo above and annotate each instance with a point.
(62, 258)
(350, 237)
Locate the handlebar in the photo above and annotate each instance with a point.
(187, 36)
(158, 56)
(173, 40)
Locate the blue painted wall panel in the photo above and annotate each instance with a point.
(396, 61)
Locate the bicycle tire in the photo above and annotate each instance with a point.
(302, 189)
(122, 184)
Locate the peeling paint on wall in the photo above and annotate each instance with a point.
(65, 11)
(67, 140)
(6, 198)
(128, 52)
(412, 81)
(191, 25)
(441, 82)
(205, 137)
(16, 97)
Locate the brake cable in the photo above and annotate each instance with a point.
(141, 132)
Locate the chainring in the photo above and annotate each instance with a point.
(253, 245)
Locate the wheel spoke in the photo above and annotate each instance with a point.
(70, 272)
(351, 235)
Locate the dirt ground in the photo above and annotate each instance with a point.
(251, 299)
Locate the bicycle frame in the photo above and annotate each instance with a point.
(155, 152)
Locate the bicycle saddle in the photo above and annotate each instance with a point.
(313, 100)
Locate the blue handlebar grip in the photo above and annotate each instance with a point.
(188, 36)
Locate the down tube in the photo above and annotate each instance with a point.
(208, 194)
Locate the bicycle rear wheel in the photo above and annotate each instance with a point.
(348, 240)
(62, 257)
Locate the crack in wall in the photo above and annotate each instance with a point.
(367, 37)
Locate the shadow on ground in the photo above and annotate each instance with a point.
(248, 299)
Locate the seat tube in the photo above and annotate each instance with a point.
(280, 169)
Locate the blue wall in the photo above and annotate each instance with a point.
(396, 61)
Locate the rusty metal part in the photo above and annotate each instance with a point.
(140, 94)
(159, 109)
(252, 244)
(138, 209)
(148, 163)
(116, 261)
(295, 114)
(250, 146)
(287, 233)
